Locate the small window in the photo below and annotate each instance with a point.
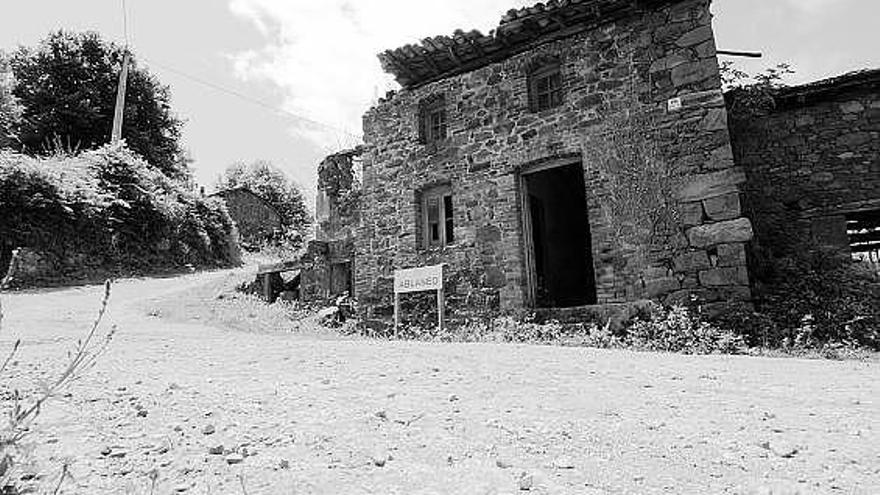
(437, 217)
(545, 88)
(432, 119)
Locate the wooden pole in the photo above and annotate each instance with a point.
(267, 288)
(441, 309)
(441, 302)
(396, 314)
(120, 101)
(736, 53)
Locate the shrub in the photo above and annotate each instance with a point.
(113, 207)
(679, 330)
(44, 205)
(821, 298)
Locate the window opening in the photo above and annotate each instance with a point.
(432, 119)
(863, 229)
(546, 88)
(439, 223)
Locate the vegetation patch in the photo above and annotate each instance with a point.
(108, 210)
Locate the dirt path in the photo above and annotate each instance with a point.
(325, 416)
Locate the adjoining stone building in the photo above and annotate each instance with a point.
(812, 160)
(497, 158)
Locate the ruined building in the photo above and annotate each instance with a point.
(329, 260)
(521, 160)
(812, 159)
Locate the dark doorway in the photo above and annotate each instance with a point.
(558, 237)
(341, 280)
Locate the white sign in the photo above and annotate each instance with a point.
(418, 279)
(674, 104)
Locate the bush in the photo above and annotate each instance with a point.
(112, 207)
(673, 330)
(41, 205)
(679, 330)
(820, 299)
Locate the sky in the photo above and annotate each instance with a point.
(288, 80)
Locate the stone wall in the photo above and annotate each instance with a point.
(337, 205)
(634, 65)
(327, 265)
(29, 268)
(809, 162)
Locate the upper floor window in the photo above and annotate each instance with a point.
(545, 88)
(437, 217)
(432, 119)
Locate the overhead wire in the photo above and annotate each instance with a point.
(255, 101)
(227, 91)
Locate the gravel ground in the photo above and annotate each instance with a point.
(206, 409)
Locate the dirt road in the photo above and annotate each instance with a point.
(280, 413)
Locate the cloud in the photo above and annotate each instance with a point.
(322, 53)
(814, 6)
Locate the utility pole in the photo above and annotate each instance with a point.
(120, 101)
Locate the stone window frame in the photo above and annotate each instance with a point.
(433, 119)
(549, 70)
(445, 221)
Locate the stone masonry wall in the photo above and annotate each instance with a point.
(640, 63)
(808, 165)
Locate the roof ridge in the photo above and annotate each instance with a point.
(441, 56)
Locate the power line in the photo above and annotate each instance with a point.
(249, 99)
(225, 90)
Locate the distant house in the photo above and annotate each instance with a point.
(256, 218)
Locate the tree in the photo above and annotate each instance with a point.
(10, 108)
(272, 184)
(750, 95)
(67, 85)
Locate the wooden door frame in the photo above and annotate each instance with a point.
(526, 218)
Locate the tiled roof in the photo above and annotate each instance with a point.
(443, 56)
(860, 78)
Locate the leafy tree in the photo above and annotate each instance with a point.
(10, 108)
(67, 85)
(750, 95)
(272, 184)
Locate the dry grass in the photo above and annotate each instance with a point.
(21, 410)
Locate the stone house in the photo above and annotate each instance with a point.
(813, 166)
(498, 157)
(256, 218)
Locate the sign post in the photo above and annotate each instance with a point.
(419, 280)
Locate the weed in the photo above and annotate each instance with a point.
(23, 411)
